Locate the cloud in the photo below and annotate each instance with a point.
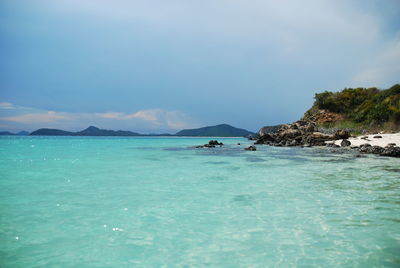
(144, 120)
(47, 117)
(384, 69)
(6, 105)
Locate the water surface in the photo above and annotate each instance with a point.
(149, 202)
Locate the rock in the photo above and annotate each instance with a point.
(238, 143)
(251, 148)
(299, 133)
(345, 143)
(377, 137)
(266, 138)
(364, 148)
(210, 144)
(377, 149)
(365, 145)
(341, 134)
(393, 151)
(367, 148)
(215, 142)
(290, 133)
(354, 147)
(364, 137)
(391, 144)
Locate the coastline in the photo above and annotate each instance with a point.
(381, 140)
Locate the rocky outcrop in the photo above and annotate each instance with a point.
(323, 116)
(210, 144)
(391, 150)
(268, 129)
(300, 133)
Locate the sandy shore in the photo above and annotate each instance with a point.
(385, 140)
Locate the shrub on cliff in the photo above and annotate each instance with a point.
(362, 105)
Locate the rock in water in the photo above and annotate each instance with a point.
(251, 148)
(211, 144)
(393, 151)
(345, 143)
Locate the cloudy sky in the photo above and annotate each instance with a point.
(160, 66)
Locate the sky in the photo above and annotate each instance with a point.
(157, 66)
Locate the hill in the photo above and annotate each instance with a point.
(90, 131)
(94, 131)
(358, 109)
(223, 130)
(51, 132)
(6, 133)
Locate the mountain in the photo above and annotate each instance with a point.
(51, 132)
(223, 130)
(6, 133)
(23, 133)
(94, 131)
(90, 131)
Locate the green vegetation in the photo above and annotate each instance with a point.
(369, 108)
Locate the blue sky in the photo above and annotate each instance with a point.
(160, 66)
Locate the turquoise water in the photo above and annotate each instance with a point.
(153, 202)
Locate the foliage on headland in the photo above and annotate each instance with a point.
(357, 108)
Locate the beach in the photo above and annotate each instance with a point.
(381, 140)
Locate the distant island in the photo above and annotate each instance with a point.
(7, 133)
(223, 130)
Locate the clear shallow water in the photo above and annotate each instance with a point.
(149, 202)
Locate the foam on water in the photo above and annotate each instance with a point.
(149, 202)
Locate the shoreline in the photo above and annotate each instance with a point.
(381, 140)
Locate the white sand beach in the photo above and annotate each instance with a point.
(385, 140)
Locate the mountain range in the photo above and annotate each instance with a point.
(7, 133)
(223, 130)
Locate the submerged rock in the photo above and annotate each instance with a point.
(251, 148)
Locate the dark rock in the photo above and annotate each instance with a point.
(377, 137)
(251, 148)
(299, 133)
(367, 148)
(215, 142)
(377, 149)
(345, 143)
(391, 144)
(238, 143)
(210, 144)
(266, 138)
(341, 134)
(364, 137)
(393, 151)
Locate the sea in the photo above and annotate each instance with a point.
(159, 202)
